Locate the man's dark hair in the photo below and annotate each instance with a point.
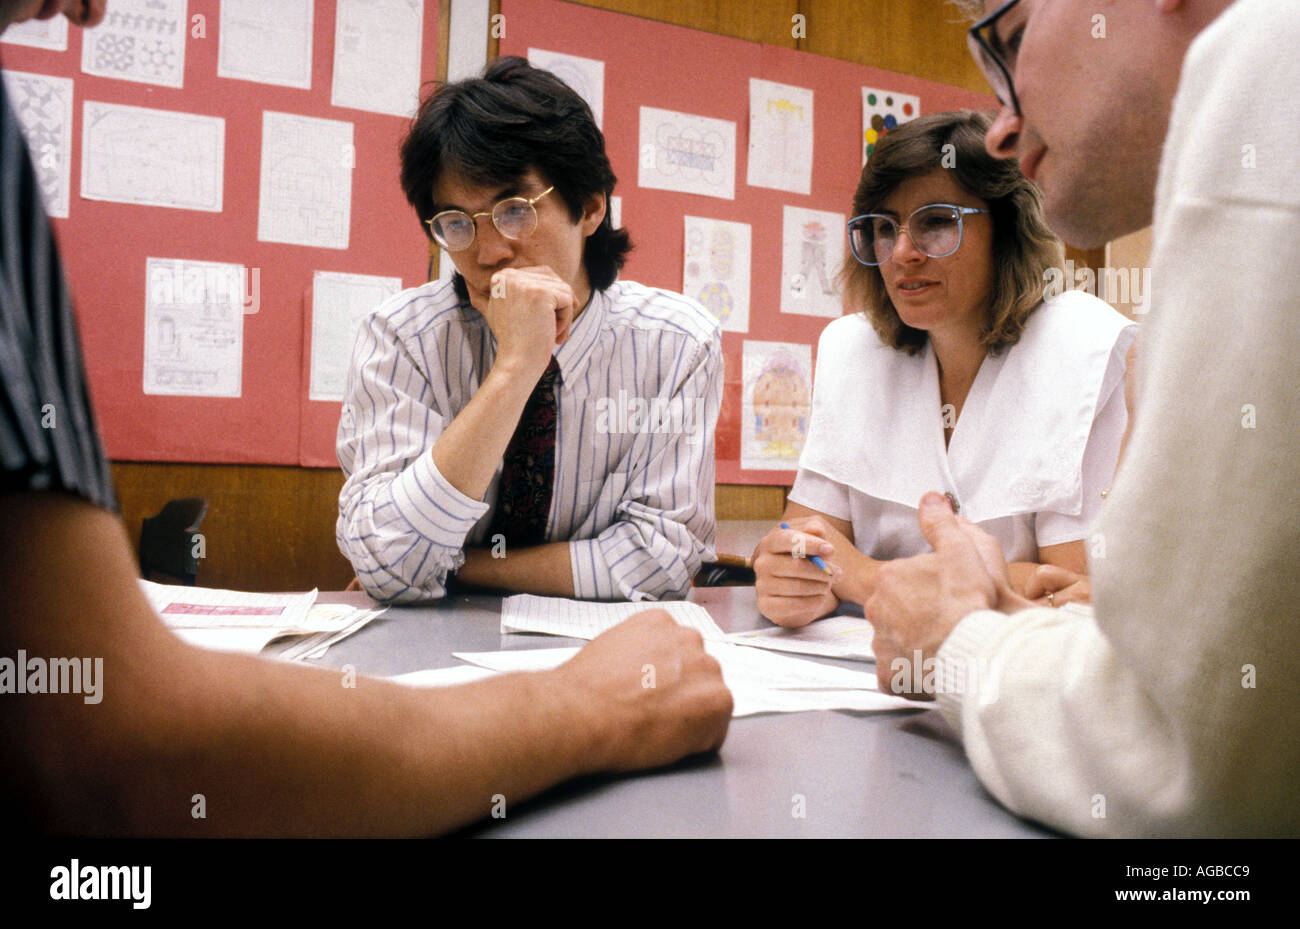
(491, 130)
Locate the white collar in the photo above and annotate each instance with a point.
(1018, 447)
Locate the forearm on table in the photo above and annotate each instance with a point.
(310, 751)
(272, 748)
(545, 569)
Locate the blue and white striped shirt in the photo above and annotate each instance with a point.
(640, 388)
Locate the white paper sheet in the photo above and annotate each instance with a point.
(520, 659)
(305, 196)
(326, 624)
(776, 399)
(833, 637)
(715, 269)
(139, 40)
(443, 677)
(468, 27)
(780, 136)
(50, 34)
(133, 154)
(377, 55)
(333, 623)
(339, 301)
(691, 154)
(246, 641)
(193, 328)
(813, 246)
(759, 682)
(585, 619)
(212, 608)
(43, 105)
(584, 75)
(266, 42)
(882, 111)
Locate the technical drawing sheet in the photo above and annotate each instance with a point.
(133, 154)
(306, 190)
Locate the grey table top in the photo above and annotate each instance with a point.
(820, 774)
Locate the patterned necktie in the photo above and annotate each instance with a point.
(528, 471)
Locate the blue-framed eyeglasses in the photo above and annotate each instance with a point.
(996, 59)
(935, 230)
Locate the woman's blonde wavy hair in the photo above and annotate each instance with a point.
(1023, 247)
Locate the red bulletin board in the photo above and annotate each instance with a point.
(105, 245)
(674, 68)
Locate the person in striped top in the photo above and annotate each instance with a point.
(610, 389)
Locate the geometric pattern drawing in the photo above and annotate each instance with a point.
(306, 188)
(43, 105)
(139, 40)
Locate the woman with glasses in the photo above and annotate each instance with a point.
(956, 376)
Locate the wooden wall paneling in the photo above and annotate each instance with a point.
(765, 21)
(924, 38)
(1129, 259)
(750, 501)
(268, 527)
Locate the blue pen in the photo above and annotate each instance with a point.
(813, 558)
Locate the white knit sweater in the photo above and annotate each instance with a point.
(1174, 709)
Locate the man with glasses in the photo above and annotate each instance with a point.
(534, 424)
(1170, 708)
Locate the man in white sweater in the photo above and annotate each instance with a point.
(1173, 706)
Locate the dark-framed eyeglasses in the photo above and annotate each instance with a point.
(514, 217)
(935, 230)
(996, 60)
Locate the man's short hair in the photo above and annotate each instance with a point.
(1023, 247)
(491, 130)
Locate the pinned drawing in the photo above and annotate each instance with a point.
(266, 42)
(43, 105)
(50, 34)
(883, 111)
(305, 196)
(132, 154)
(377, 46)
(715, 269)
(139, 40)
(339, 302)
(193, 328)
(777, 398)
(780, 136)
(811, 251)
(584, 75)
(691, 154)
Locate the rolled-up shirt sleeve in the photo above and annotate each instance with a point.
(401, 524)
(665, 524)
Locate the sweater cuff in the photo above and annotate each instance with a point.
(959, 668)
(433, 507)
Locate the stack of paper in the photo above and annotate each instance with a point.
(583, 619)
(759, 682)
(240, 621)
(833, 637)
